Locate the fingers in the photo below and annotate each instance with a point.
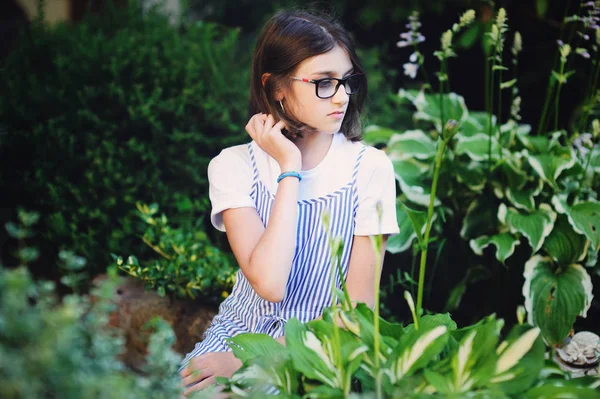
(201, 385)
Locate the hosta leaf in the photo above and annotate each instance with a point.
(247, 346)
(476, 147)
(414, 351)
(564, 245)
(524, 198)
(513, 172)
(428, 106)
(411, 144)
(402, 241)
(472, 175)
(561, 391)
(536, 226)
(554, 298)
(374, 134)
(505, 244)
(475, 123)
(474, 359)
(309, 354)
(413, 181)
(585, 219)
(550, 165)
(520, 359)
(480, 219)
(595, 160)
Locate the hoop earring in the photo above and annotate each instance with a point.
(281, 103)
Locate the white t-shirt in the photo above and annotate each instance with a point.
(230, 176)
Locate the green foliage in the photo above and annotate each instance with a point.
(435, 360)
(120, 107)
(64, 348)
(188, 265)
(500, 186)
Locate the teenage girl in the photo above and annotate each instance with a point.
(305, 158)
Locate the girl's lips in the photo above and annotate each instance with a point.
(337, 115)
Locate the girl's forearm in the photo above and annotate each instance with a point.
(271, 259)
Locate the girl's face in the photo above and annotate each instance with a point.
(325, 115)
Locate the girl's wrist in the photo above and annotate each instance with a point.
(290, 167)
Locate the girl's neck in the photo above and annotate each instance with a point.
(314, 148)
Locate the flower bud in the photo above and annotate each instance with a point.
(450, 130)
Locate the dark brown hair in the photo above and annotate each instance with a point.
(287, 39)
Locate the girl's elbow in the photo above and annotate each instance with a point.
(270, 291)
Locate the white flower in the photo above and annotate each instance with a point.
(467, 18)
(410, 70)
(517, 46)
(413, 57)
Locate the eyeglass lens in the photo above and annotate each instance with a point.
(326, 88)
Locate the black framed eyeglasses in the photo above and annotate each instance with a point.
(325, 88)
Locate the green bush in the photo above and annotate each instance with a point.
(188, 264)
(120, 107)
(51, 348)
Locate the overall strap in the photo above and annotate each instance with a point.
(254, 167)
(357, 164)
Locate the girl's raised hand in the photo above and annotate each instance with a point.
(267, 134)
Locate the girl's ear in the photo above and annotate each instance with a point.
(263, 79)
(278, 93)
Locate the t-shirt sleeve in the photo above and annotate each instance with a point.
(230, 183)
(378, 185)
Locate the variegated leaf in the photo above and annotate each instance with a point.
(505, 244)
(536, 226)
(555, 297)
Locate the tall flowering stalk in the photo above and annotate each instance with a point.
(450, 131)
(413, 38)
(447, 52)
(497, 39)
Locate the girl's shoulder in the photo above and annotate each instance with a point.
(234, 159)
(371, 159)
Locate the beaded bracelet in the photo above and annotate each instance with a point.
(286, 174)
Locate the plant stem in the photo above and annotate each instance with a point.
(499, 116)
(436, 173)
(557, 99)
(490, 113)
(378, 245)
(551, 83)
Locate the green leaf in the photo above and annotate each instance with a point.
(476, 147)
(428, 106)
(402, 241)
(473, 361)
(520, 359)
(558, 391)
(564, 245)
(418, 220)
(541, 6)
(508, 84)
(309, 354)
(477, 122)
(473, 175)
(595, 160)
(554, 298)
(480, 219)
(499, 68)
(549, 166)
(415, 350)
(248, 346)
(536, 226)
(411, 144)
(505, 244)
(524, 198)
(413, 181)
(585, 219)
(468, 38)
(374, 134)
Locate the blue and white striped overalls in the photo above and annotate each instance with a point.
(309, 284)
